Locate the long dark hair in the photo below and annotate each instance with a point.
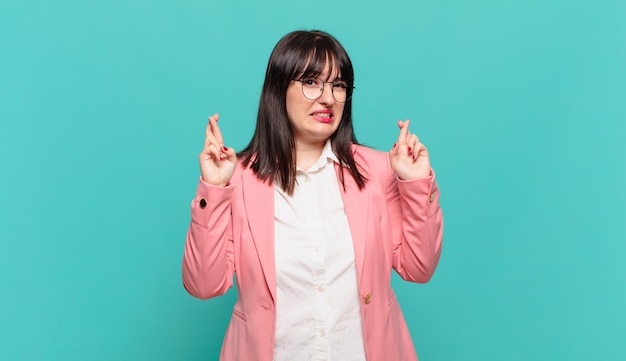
(271, 152)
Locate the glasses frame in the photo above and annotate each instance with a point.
(332, 89)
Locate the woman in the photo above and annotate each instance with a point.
(310, 221)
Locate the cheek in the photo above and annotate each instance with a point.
(294, 104)
(339, 112)
(294, 109)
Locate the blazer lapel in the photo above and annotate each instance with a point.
(259, 203)
(356, 203)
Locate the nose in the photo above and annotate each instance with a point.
(327, 95)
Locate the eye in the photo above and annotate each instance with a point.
(313, 83)
(340, 85)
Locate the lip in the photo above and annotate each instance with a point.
(323, 119)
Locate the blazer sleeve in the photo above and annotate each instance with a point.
(208, 260)
(417, 236)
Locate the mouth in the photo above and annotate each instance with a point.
(323, 116)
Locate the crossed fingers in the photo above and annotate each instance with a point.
(408, 144)
(214, 143)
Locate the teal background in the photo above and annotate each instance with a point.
(103, 106)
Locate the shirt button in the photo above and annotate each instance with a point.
(322, 333)
(320, 289)
(432, 197)
(202, 203)
(367, 299)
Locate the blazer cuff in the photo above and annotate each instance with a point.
(210, 199)
(423, 192)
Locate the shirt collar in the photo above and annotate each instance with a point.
(327, 153)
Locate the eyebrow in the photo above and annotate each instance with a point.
(314, 75)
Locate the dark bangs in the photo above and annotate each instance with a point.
(318, 59)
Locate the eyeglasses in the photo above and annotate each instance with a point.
(313, 88)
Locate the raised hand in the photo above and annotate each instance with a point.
(217, 162)
(409, 158)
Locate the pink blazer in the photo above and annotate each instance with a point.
(394, 224)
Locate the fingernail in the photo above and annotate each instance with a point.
(414, 156)
(410, 149)
(395, 144)
(224, 148)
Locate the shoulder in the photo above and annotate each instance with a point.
(245, 173)
(360, 149)
(241, 172)
(372, 162)
(366, 156)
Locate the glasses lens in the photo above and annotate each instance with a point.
(340, 92)
(312, 88)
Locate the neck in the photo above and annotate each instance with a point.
(307, 154)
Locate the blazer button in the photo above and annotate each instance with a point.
(432, 197)
(202, 203)
(367, 299)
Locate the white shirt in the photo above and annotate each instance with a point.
(318, 315)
